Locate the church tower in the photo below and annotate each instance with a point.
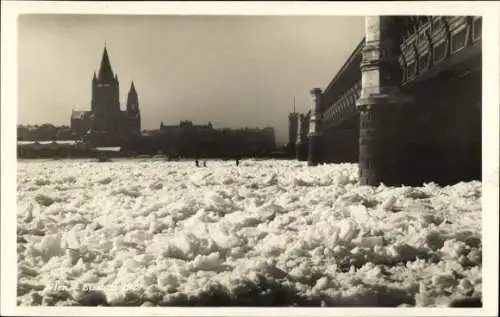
(105, 97)
(133, 112)
(293, 126)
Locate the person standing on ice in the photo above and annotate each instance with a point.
(237, 162)
(204, 163)
(197, 163)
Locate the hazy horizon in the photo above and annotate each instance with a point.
(234, 71)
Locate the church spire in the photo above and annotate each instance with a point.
(132, 88)
(132, 99)
(105, 71)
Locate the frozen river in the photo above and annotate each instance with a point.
(146, 232)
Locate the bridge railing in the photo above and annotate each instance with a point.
(431, 41)
(339, 97)
(343, 106)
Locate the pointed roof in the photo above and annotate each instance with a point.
(105, 71)
(132, 88)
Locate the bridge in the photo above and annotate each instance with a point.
(406, 105)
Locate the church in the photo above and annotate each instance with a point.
(105, 118)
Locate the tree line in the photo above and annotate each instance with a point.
(44, 132)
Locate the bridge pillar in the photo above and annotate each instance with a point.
(314, 155)
(383, 128)
(301, 146)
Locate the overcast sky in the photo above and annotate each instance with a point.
(234, 71)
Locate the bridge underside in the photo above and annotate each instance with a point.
(339, 143)
(445, 141)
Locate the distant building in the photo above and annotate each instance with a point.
(105, 116)
(292, 130)
(190, 140)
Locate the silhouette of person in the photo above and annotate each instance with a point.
(204, 163)
(197, 163)
(237, 162)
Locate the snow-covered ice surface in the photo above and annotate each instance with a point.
(264, 233)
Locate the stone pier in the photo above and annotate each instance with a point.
(314, 155)
(382, 107)
(301, 146)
